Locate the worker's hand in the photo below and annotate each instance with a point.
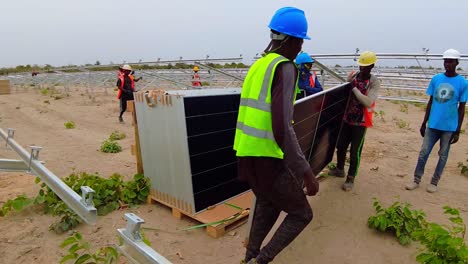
(455, 137)
(422, 130)
(311, 183)
(351, 76)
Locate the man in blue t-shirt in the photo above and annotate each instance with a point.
(445, 112)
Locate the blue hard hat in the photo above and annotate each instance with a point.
(303, 58)
(290, 21)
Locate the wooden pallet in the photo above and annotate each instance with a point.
(216, 213)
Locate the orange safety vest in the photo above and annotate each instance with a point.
(368, 112)
(312, 79)
(196, 80)
(368, 115)
(121, 77)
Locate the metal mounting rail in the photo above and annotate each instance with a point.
(166, 79)
(220, 71)
(133, 246)
(82, 205)
(330, 71)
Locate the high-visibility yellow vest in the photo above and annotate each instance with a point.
(254, 131)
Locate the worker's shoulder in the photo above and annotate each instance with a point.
(286, 65)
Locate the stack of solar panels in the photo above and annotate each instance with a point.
(186, 139)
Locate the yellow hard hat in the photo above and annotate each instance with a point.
(367, 58)
(126, 67)
(195, 68)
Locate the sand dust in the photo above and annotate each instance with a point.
(338, 233)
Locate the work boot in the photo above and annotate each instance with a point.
(411, 186)
(336, 172)
(431, 188)
(120, 119)
(349, 183)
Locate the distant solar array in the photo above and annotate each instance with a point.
(402, 83)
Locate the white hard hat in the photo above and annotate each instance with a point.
(126, 67)
(451, 54)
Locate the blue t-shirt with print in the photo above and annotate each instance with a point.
(446, 93)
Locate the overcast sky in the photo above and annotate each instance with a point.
(62, 32)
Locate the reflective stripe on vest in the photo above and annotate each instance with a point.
(254, 131)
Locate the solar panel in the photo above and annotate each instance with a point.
(187, 144)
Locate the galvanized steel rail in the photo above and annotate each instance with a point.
(133, 246)
(82, 205)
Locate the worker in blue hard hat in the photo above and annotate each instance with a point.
(308, 82)
(269, 156)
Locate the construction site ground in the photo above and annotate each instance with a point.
(338, 234)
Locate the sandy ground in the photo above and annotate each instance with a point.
(338, 233)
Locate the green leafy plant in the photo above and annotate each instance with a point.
(110, 194)
(463, 168)
(17, 204)
(68, 220)
(398, 219)
(443, 244)
(136, 191)
(402, 123)
(79, 252)
(404, 108)
(380, 114)
(331, 166)
(44, 91)
(69, 125)
(116, 135)
(205, 83)
(110, 146)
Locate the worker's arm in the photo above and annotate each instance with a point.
(430, 91)
(283, 89)
(318, 87)
(422, 130)
(369, 99)
(119, 83)
(317, 84)
(461, 115)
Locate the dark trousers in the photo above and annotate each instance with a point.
(283, 193)
(353, 135)
(123, 105)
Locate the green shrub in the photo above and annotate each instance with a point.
(44, 91)
(79, 252)
(463, 168)
(17, 204)
(443, 244)
(402, 123)
(69, 125)
(116, 135)
(110, 194)
(398, 219)
(110, 146)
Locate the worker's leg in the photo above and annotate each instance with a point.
(264, 218)
(123, 106)
(287, 195)
(443, 156)
(342, 145)
(430, 138)
(357, 142)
